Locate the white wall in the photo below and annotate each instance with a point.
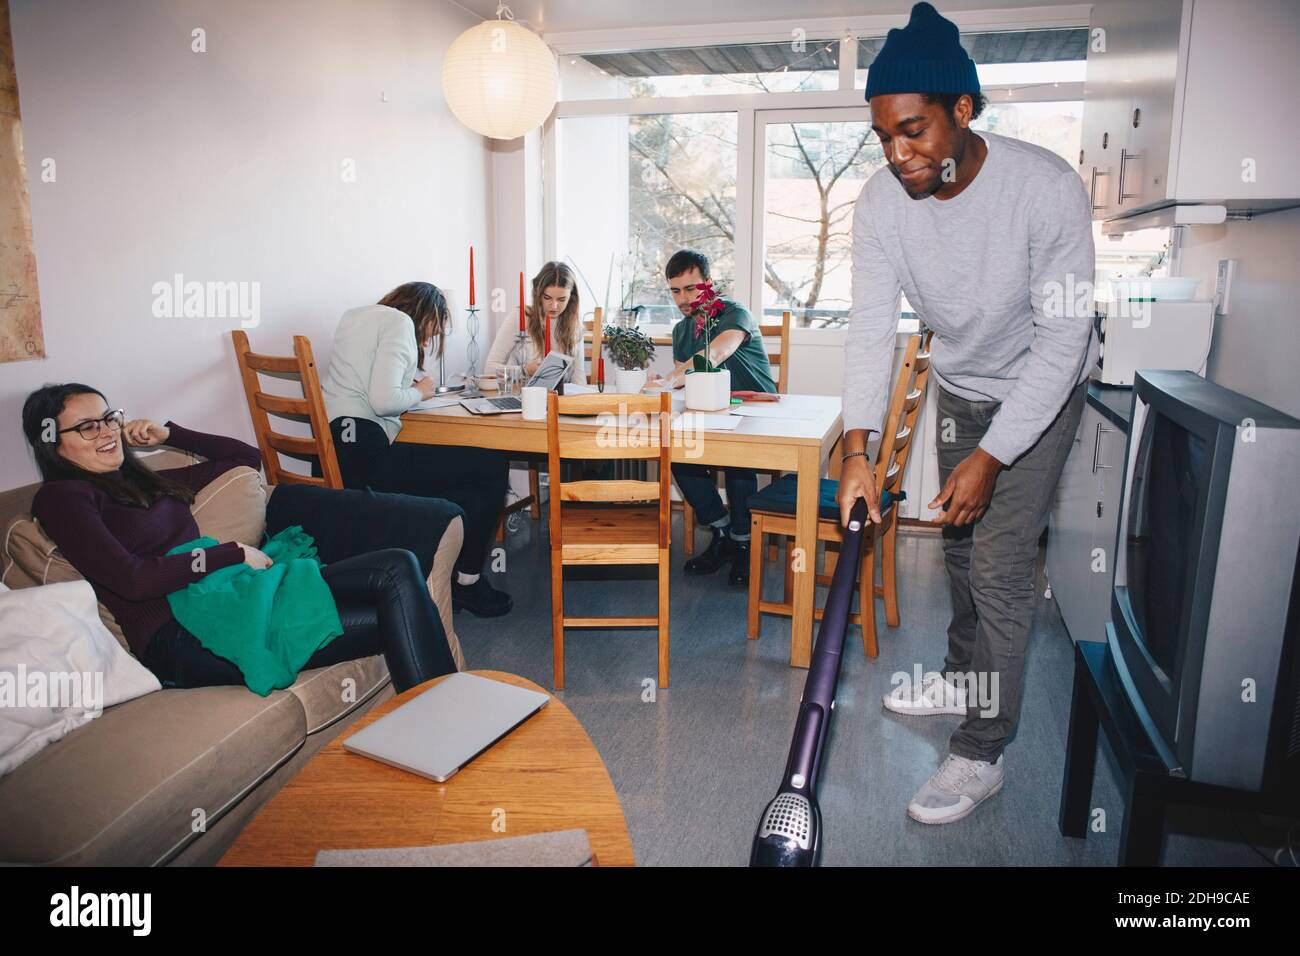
(592, 175)
(516, 198)
(227, 166)
(591, 198)
(1257, 345)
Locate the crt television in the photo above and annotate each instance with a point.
(1205, 606)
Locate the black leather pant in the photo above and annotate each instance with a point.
(476, 479)
(383, 604)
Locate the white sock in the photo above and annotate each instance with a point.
(463, 578)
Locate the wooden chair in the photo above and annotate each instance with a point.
(780, 362)
(593, 333)
(891, 464)
(609, 522)
(592, 330)
(780, 359)
(310, 408)
(532, 501)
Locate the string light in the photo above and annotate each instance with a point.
(803, 59)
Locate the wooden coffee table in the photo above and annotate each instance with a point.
(544, 776)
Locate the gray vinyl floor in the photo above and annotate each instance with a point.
(695, 764)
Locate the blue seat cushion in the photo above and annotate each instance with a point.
(779, 498)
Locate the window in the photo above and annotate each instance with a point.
(1028, 57)
(1057, 126)
(635, 189)
(814, 172)
(787, 67)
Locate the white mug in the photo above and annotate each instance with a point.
(534, 402)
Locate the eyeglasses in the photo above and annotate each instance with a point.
(91, 430)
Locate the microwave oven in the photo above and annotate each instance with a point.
(1154, 335)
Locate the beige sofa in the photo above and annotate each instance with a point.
(172, 777)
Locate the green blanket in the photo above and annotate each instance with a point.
(269, 622)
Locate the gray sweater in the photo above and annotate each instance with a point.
(1002, 273)
(371, 367)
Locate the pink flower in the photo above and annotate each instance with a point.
(706, 307)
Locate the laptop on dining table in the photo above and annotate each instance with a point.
(550, 374)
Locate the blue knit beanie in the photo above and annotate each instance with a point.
(923, 57)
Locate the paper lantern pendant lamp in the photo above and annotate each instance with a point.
(499, 78)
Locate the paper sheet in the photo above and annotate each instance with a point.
(438, 401)
(775, 410)
(718, 422)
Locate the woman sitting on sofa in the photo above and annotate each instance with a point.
(371, 380)
(115, 520)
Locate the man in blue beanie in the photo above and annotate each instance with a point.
(991, 239)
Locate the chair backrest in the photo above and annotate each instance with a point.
(310, 408)
(593, 331)
(780, 359)
(904, 407)
(640, 427)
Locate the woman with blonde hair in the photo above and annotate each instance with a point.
(554, 296)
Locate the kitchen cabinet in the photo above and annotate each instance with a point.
(1084, 520)
(1181, 105)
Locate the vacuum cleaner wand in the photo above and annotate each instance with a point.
(789, 831)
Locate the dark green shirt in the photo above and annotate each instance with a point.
(750, 370)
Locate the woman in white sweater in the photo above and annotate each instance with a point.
(554, 295)
(371, 380)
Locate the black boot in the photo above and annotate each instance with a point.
(739, 576)
(718, 553)
(480, 598)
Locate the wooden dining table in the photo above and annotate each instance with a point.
(800, 443)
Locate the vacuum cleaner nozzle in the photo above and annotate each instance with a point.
(789, 832)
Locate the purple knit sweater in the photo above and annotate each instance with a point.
(122, 549)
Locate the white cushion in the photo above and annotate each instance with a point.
(59, 667)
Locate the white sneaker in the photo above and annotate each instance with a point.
(934, 696)
(955, 789)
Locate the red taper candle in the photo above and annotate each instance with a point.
(471, 276)
(548, 333)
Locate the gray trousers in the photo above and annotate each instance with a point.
(991, 568)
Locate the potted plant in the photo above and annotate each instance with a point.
(630, 350)
(708, 388)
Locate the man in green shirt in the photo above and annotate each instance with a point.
(735, 344)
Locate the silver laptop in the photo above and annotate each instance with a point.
(447, 726)
(550, 373)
